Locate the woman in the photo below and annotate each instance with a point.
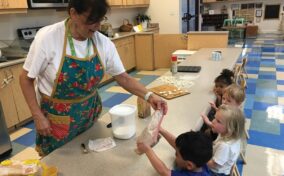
(69, 59)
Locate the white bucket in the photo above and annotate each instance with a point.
(123, 121)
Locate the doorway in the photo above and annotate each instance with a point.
(190, 13)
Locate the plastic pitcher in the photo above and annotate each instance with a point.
(123, 121)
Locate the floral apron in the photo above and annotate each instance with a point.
(74, 104)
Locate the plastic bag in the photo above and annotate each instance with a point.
(31, 167)
(149, 135)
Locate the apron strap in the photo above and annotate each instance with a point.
(71, 43)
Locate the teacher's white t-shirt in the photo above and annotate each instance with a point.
(44, 57)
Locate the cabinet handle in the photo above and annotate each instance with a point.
(185, 37)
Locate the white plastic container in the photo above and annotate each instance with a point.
(123, 121)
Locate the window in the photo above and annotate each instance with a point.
(271, 11)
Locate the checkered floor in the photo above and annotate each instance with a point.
(263, 107)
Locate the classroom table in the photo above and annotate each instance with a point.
(183, 115)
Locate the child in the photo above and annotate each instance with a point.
(221, 82)
(234, 95)
(229, 123)
(193, 151)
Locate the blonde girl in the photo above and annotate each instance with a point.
(234, 95)
(229, 123)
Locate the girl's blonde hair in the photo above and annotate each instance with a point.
(236, 92)
(234, 121)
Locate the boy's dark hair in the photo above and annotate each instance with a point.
(97, 8)
(226, 77)
(195, 147)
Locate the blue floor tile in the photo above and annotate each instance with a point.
(272, 77)
(249, 101)
(266, 139)
(116, 99)
(27, 139)
(248, 113)
(266, 84)
(266, 92)
(147, 79)
(30, 125)
(280, 82)
(250, 88)
(280, 93)
(260, 122)
(261, 106)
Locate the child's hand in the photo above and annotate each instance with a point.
(206, 120)
(213, 105)
(143, 148)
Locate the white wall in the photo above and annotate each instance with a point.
(167, 14)
(9, 23)
(264, 25)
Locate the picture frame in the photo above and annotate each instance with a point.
(258, 13)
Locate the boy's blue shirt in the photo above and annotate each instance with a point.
(204, 172)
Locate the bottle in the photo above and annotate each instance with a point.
(174, 65)
(144, 108)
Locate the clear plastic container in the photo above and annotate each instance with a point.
(123, 121)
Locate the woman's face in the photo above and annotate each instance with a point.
(219, 88)
(81, 27)
(227, 100)
(218, 124)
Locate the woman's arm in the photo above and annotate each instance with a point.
(41, 122)
(159, 165)
(169, 137)
(136, 88)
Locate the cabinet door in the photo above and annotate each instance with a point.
(20, 102)
(126, 50)
(7, 98)
(137, 2)
(15, 4)
(115, 2)
(165, 45)
(144, 52)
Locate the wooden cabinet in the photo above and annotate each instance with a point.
(13, 102)
(144, 49)
(129, 3)
(126, 50)
(14, 105)
(115, 2)
(137, 2)
(7, 98)
(13, 6)
(165, 45)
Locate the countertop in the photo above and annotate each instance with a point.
(120, 35)
(183, 115)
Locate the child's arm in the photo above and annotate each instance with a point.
(211, 164)
(213, 105)
(168, 136)
(160, 167)
(206, 120)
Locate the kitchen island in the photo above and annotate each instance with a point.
(183, 115)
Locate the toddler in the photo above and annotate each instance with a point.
(229, 123)
(221, 82)
(193, 151)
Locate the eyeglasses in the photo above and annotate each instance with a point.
(94, 20)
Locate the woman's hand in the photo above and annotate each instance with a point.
(158, 103)
(206, 120)
(42, 125)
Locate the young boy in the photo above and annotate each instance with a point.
(193, 151)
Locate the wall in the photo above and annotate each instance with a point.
(9, 23)
(167, 13)
(264, 25)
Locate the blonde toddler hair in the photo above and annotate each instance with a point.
(234, 121)
(236, 92)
